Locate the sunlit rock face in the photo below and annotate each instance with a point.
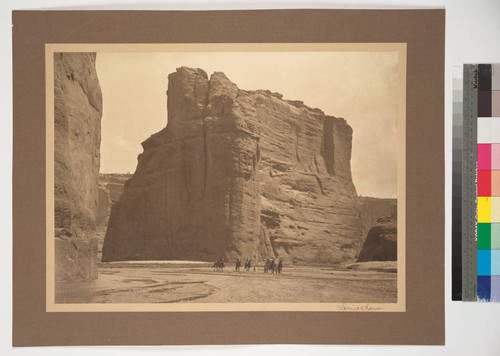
(238, 173)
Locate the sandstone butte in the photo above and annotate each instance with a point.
(239, 173)
(77, 138)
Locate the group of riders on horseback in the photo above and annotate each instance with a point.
(270, 265)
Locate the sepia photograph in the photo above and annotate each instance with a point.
(226, 177)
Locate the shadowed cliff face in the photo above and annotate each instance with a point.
(238, 174)
(373, 209)
(110, 189)
(381, 242)
(77, 140)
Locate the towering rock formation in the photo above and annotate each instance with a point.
(238, 174)
(77, 139)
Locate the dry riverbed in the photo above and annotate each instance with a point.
(196, 282)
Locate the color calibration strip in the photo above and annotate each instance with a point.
(469, 182)
(476, 206)
(488, 183)
(456, 228)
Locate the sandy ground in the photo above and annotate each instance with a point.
(182, 281)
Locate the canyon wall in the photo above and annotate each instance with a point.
(238, 173)
(110, 189)
(373, 209)
(381, 242)
(77, 140)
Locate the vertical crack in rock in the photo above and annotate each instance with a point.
(316, 164)
(205, 155)
(320, 185)
(250, 193)
(329, 145)
(297, 157)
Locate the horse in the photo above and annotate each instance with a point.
(238, 265)
(272, 266)
(248, 264)
(218, 266)
(266, 266)
(280, 266)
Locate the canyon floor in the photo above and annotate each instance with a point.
(196, 282)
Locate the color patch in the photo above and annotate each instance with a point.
(495, 236)
(484, 104)
(495, 104)
(484, 77)
(495, 209)
(495, 262)
(495, 288)
(488, 129)
(484, 157)
(484, 209)
(483, 262)
(484, 288)
(484, 183)
(495, 183)
(495, 156)
(484, 236)
(495, 76)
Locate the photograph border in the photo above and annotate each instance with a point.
(400, 48)
(423, 319)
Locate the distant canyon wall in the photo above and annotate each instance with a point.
(77, 139)
(381, 241)
(110, 189)
(374, 208)
(111, 186)
(239, 174)
(376, 248)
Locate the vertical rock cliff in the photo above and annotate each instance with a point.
(110, 189)
(238, 174)
(77, 140)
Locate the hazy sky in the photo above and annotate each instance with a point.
(358, 86)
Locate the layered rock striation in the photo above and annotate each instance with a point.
(238, 173)
(77, 138)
